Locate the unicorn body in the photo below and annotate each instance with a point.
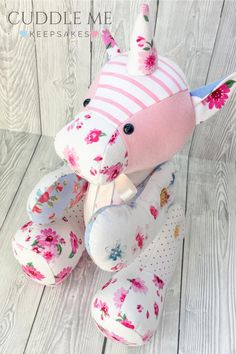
(117, 192)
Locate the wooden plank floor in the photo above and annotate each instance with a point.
(200, 308)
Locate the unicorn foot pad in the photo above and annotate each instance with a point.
(115, 196)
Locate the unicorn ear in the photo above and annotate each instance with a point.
(208, 100)
(142, 58)
(111, 46)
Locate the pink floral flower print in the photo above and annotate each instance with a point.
(70, 127)
(64, 273)
(71, 157)
(50, 255)
(36, 249)
(158, 282)
(156, 309)
(27, 238)
(112, 335)
(147, 60)
(79, 125)
(138, 285)
(51, 216)
(93, 171)
(87, 116)
(118, 267)
(80, 191)
(107, 38)
(102, 306)
(154, 211)
(47, 238)
(59, 187)
(98, 158)
(113, 138)
(122, 318)
(94, 136)
(145, 9)
(32, 272)
(140, 240)
(119, 297)
(74, 244)
(36, 209)
(147, 314)
(110, 281)
(26, 226)
(218, 97)
(147, 336)
(44, 198)
(140, 41)
(139, 308)
(112, 172)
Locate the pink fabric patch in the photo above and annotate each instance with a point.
(159, 131)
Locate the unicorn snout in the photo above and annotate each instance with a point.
(93, 148)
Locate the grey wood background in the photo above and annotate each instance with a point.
(42, 85)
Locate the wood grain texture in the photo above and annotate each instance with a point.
(209, 276)
(16, 150)
(63, 65)
(186, 32)
(216, 140)
(19, 297)
(19, 99)
(63, 323)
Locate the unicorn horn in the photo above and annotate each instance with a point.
(142, 58)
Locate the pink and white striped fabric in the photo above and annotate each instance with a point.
(120, 95)
(158, 106)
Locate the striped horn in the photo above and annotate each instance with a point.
(110, 44)
(142, 58)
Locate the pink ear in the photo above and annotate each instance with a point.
(110, 44)
(207, 104)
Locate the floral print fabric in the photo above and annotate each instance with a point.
(117, 234)
(92, 147)
(128, 307)
(48, 253)
(208, 100)
(54, 194)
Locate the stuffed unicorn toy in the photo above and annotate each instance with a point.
(115, 196)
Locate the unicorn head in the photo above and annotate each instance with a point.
(138, 112)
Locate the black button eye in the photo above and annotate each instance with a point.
(128, 129)
(86, 102)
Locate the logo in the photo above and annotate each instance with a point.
(55, 21)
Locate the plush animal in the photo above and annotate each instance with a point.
(115, 194)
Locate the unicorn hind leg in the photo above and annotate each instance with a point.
(128, 307)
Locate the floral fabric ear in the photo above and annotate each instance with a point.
(208, 100)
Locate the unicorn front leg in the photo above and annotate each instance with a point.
(49, 246)
(117, 234)
(55, 193)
